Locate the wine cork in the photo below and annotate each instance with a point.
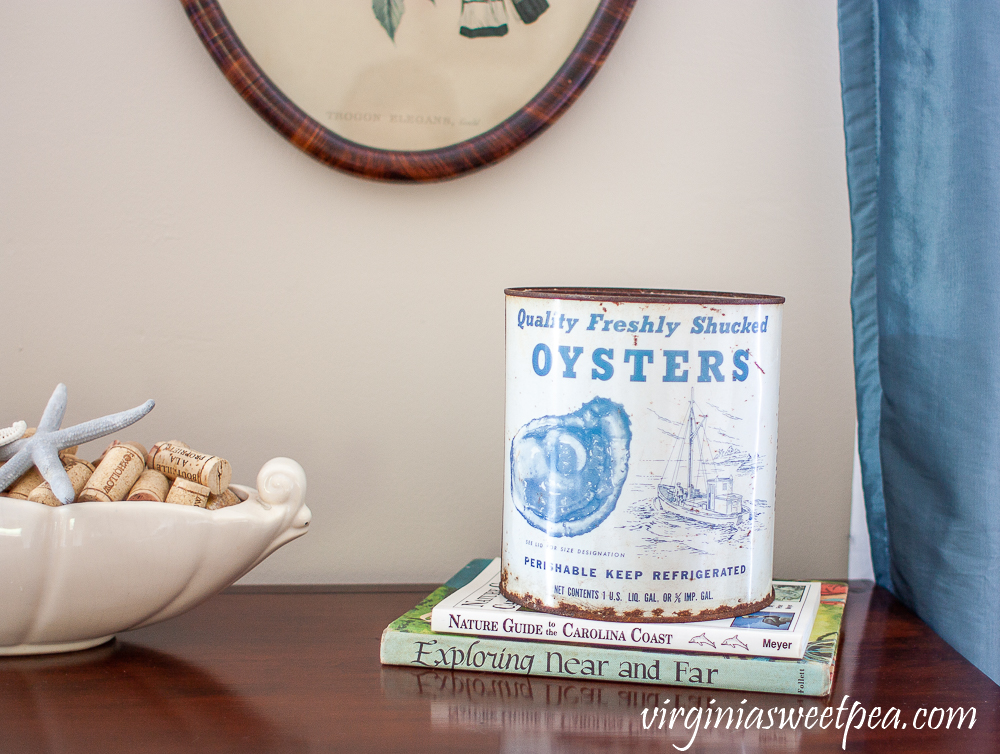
(172, 443)
(227, 498)
(178, 462)
(115, 444)
(25, 484)
(185, 492)
(115, 475)
(151, 485)
(77, 470)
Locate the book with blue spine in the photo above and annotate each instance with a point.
(410, 641)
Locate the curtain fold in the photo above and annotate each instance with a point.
(859, 82)
(921, 94)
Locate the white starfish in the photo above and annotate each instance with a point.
(42, 448)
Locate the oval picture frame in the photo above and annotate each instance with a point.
(325, 145)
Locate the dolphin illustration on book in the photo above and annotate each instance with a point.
(703, 641)
(734, 642)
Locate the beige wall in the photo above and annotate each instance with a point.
(157, 239)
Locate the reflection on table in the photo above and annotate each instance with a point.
(102, 698)
(553, 714)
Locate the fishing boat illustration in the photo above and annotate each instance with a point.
(692, 485)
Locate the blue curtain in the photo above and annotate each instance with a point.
(921, 94)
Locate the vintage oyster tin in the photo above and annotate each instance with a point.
(641, 439)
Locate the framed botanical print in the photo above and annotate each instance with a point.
(409, 90)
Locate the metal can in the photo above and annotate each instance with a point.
(641, 435)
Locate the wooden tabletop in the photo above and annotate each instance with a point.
(298, 672)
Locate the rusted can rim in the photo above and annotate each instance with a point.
(569, 610)
(646, 296)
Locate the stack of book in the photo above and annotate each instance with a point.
(790, 647)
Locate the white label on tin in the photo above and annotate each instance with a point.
(640, 463)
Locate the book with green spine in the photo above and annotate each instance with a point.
(409, 641)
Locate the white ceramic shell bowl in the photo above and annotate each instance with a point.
(71, 577)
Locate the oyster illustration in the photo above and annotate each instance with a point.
(568, 471)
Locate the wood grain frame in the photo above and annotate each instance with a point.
(319, 142)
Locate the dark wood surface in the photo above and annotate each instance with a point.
(299, 672)
(253, 85)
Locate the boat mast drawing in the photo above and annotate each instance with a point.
(702, 493)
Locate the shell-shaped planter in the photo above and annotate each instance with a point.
(71, 577)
